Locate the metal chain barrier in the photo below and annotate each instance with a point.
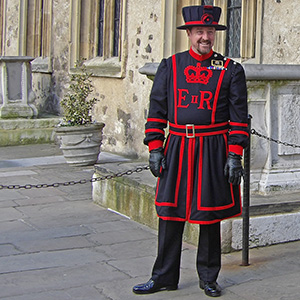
(120, 174)
(254, 132)
(68, 183)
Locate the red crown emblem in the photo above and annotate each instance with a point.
(197, 74)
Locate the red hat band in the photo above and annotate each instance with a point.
(202, 15)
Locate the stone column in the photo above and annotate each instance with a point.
(16, 95)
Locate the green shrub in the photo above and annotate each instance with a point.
(77, 105)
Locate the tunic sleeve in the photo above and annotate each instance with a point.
(238, 111)
(158, 110)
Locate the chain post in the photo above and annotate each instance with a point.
(246, 200)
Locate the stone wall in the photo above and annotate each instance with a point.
(123, 102)
(11, 30)
(281, 32)
(275, 107)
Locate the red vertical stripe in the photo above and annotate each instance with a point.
(226, 143)
(179, 170)
(200, 173)
(158, 180)
(200, 176)
(190, 176)
(232, 194)
(213, 115)
(175, 87)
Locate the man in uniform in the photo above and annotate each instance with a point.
(202, 97)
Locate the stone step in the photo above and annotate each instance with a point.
(273, 218)
(27, 131)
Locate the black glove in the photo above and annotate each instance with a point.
(233, 168)
(157, 160)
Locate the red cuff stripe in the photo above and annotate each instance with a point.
(154, 130)
(237, 149)
(155, 144)
(157, 120)
(238, 132)
(238, 124)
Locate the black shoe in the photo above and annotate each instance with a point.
(211, 289)
(152, 287)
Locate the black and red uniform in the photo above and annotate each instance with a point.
(202, 101)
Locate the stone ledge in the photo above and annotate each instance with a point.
(268, 230)
(27, 131)
(252, 71)
(133, 196)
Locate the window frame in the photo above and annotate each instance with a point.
(231, 13)
(35, 33)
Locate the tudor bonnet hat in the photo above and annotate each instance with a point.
(202, 15)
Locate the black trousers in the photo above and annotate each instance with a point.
(166, 269)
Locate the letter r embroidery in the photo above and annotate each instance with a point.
(207, 99)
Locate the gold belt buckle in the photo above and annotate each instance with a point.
(190, 127)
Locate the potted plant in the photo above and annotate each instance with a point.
(80, 138)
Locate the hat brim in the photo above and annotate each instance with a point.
(218, 27)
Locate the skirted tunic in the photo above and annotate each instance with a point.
(201, 101)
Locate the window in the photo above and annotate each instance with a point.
(1, 26)
(35, 29)
(98, 36)
(116, 28)
(101, 28)
(207, 2)
(233, 39)
(243, 19)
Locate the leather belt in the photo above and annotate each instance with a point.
(192, 130)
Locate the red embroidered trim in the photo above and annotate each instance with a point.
(226, 143)
(179, 171)
(200, 173)
(155, 144)
(213, 221)
(199, 126)
(238, 124)
(213, 115)
(198, 222)
(175, 86)
(237, 149)
(190, 176)
(238, 132)
(172, 218)
(200, 134)
(200, 23)
(200, 57)
(199, 204)
(157, 120)
(154, 130)
(158, 181)
(197, 74)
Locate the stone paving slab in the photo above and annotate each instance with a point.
(57, 244)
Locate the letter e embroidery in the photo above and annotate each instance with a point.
(182, 97)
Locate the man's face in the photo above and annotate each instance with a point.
(202, 38)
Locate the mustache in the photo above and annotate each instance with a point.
(204, 41)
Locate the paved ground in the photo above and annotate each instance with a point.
(56, 244)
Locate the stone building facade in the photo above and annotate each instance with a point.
(117, 38)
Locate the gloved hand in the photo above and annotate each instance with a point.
(157, 160)
(233, 168)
